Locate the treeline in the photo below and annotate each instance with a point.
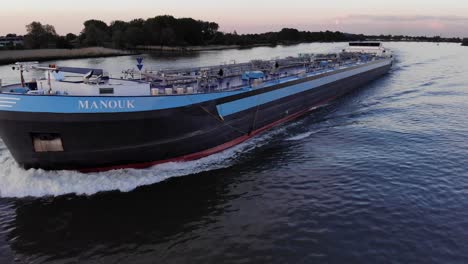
(161, 30)
(166, 31)
(41, 36)
(285, 36)
(171, 31)
(413, 38)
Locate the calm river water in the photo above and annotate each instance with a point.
(380, 176)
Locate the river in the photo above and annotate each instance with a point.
(379, 176)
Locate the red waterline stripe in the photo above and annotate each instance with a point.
(211, 151)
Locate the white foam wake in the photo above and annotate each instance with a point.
(304, 135)
(300, 136)
(16, 182)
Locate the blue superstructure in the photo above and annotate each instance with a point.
(103, 104)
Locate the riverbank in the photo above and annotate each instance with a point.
(12, 56)
(182, 49)
(188, 49)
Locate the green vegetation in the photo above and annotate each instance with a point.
(165, 31)
(161, 30)
(41, 36)
(168, 31)
(413, 38)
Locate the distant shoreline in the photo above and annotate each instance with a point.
(183, 49)
(12, 56)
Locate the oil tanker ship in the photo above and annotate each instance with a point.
(82, 119)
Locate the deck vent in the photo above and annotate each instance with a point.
(106, 90)
(47, 143)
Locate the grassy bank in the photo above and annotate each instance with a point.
(12, 56)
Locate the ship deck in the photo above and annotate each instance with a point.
(288, 74)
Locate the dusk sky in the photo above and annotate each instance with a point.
(428, 17)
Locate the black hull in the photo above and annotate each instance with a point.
(94, 142)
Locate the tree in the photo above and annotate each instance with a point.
(134, 36)
(39, 36)
(95, 33)
(63, 43)
(168, 36)
(71, 37)
(289, 34)
(209, 30)
(117, 31)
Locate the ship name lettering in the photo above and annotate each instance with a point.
(106, 104)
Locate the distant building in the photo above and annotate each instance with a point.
(11, 41)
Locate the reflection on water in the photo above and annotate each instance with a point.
(125, 223)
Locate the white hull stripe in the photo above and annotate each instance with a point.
(7, 102)
(6, 106)
(10, 98)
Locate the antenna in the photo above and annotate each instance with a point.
(24, 66)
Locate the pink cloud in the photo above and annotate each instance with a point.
(437, 25)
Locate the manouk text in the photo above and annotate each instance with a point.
(106, 104)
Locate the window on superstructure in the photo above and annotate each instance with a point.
(106, 90)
